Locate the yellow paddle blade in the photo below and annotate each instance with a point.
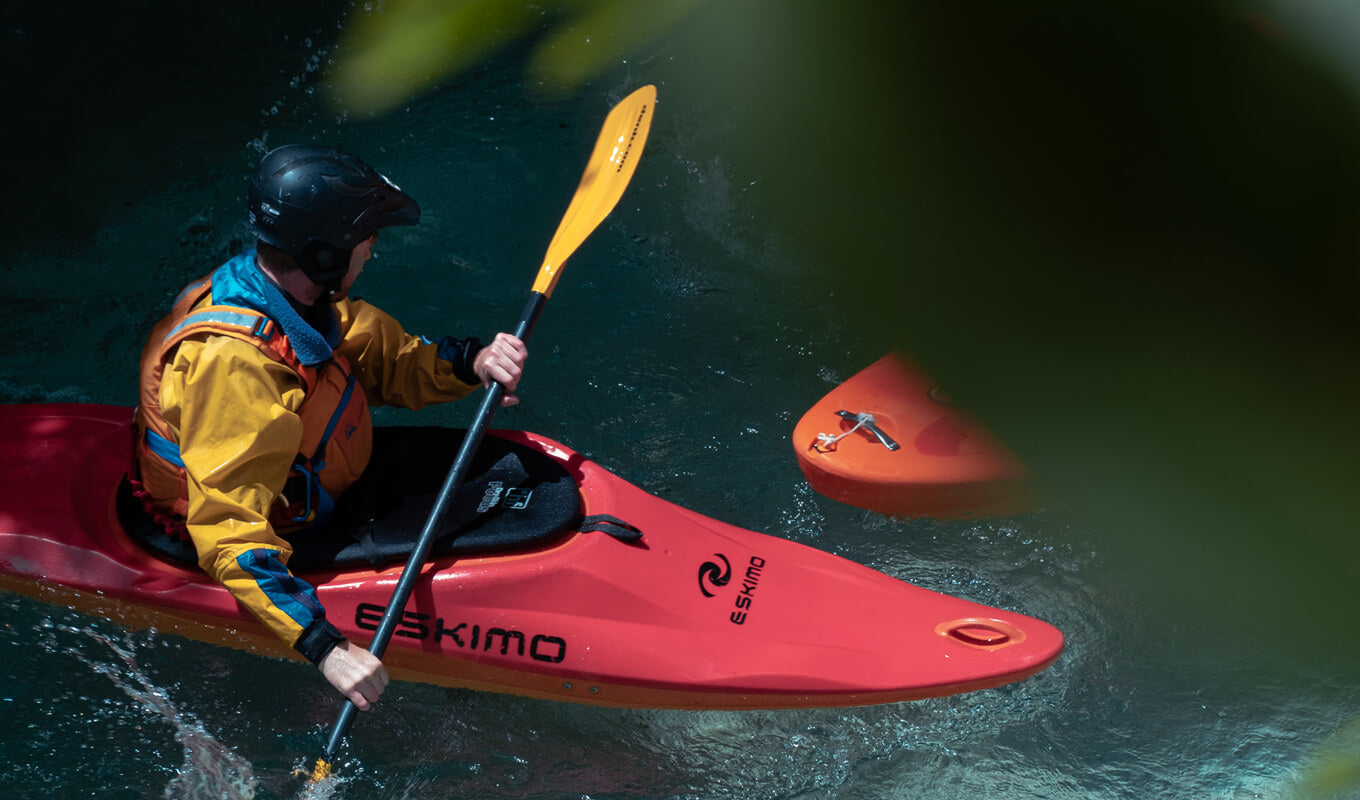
(610, 168)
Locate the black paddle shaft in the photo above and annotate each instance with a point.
(411, 572)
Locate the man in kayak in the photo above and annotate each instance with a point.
(253, 414)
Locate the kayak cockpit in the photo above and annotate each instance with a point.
(514, 497)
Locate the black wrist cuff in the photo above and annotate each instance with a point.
(318, 640)
(461, 353)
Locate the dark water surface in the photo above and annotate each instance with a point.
(678, 351)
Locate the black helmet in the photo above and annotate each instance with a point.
(318, 203)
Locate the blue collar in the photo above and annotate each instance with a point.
(239, 282)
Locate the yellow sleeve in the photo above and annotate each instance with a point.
(235, 412)
(394, 367)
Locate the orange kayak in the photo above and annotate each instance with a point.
(888, 440)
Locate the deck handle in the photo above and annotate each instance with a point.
(866, 420)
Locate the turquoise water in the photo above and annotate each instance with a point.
(679, 350)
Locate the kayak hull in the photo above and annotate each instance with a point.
(947, 465)
(697, 614)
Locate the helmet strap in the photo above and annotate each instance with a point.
(325, 264)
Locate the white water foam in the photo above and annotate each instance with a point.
(211, 770)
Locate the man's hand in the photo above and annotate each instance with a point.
(356, 673)
(502, 362)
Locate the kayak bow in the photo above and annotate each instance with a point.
(888, 440)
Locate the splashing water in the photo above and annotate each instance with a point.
(323, 789)
(322, 783)
(211, 771)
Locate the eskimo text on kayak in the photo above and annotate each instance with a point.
(714, 576)
(415, 625)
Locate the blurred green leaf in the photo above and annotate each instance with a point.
(1334, 772)
(597, 35)
(1122, 234)
(389, 54)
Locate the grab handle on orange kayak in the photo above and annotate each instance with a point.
(866, 421)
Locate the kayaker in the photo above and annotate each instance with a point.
(253, 415)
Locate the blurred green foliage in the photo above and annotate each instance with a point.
(1123, 233)
(1334, 772)
(404, 47)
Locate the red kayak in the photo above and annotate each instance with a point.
(614, 597)
(887, 440)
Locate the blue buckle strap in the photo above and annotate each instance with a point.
(340, 407)
(247, 322)
(164, 448)
(325, 504)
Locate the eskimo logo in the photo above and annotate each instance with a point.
(710, 574)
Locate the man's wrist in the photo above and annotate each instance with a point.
(318, 640)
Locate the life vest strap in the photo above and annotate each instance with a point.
(164, 448)
(248, 322)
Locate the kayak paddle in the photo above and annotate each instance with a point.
(611, 166)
